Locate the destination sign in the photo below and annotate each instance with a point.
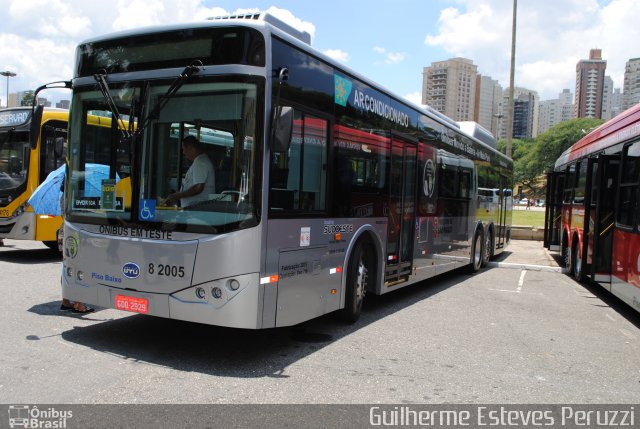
(12, 118)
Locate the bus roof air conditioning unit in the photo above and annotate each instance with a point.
(303, 36)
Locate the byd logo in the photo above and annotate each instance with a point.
(131, 270)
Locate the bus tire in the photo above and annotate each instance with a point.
(477, 251)
(53, 245)
(488, 249)
(359, 273)
(566, 256)
(578, 268)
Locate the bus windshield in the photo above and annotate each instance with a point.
(106, 183)
(14, 159)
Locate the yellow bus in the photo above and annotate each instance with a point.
(32, 145)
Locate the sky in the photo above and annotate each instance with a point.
(390, 42)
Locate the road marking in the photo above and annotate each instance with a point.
(529, 267)
(609, 317)
(521, 281)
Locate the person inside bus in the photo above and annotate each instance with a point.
(199, 181)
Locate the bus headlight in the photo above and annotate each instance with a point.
(80, 275)
(200, 293)
(233, 284)
(216, 292)
(69, 272)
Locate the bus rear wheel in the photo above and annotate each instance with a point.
(578, 271)
(477, 252)
(566, 256)
(359, 273)
(488, 249)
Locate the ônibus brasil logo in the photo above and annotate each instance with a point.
(131, 270)
(26, 416)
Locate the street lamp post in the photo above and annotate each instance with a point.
(511, 80)
(8, 74)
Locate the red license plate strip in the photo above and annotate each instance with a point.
(130, 303)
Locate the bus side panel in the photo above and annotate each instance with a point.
(626, 265)
(306, 259)
(47, 227)
(20, 228)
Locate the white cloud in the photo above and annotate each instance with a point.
(414, 97)
(390, 57)
(395, 57)
(39, 37)
(337, 54)
(551, 38)
(293, 21)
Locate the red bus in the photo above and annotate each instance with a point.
(592, 214)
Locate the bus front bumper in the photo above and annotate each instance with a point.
(240, 309)
(18, 228)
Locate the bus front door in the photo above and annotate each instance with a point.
(401, 212)
(604, 221)
(553, 211)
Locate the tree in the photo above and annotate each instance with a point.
(551, 144)
(27, 99)
(533, 158)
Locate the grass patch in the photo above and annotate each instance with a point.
(528, 218)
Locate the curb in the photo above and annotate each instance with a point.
(519, 232)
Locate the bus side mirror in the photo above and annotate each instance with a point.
(283, 129)
(36, 119)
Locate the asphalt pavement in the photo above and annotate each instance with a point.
(527, 254)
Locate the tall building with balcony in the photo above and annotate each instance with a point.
(607, 98)
(488, 103)
(631, 87)
(526, 105)
(450, 88)
(552, 112)
(590, 86)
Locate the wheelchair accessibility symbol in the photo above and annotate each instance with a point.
(147, 210)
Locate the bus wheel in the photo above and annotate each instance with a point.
(488, 249)
(578, 272)
(566, 257)
(53, 244)
(477, 252)
(358, 275)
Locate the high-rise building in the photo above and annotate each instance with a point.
(552, 112)
(631, 88)
(525, 113)
(488, 101)
(616, 102)
(450, 88)
(607, 98)
(590, 85)
(63, 104)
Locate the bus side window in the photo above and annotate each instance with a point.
(628, 196)
(567, 196)
(581, 183)
(298, 176)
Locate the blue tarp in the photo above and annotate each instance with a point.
(46, 198)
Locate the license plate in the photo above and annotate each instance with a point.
(130, 303)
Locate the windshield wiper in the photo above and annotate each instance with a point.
(188, 71)
(101, 79)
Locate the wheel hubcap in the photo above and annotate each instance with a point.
(361, 281)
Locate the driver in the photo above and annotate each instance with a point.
(199, 181)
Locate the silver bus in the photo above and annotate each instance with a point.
(327, 186)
